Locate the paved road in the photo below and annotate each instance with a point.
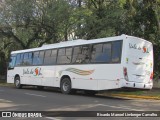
(31, 99)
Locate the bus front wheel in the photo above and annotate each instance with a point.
(17, 83)
(65, 86)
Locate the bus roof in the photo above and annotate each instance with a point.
(73, 43)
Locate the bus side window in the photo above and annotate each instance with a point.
(47, 57)
(50, 57)
(30, 59)
(116, 51)
(19, 59)
(107, 52)
(12, 62)
(68, 55)
(27, 59)
(36, 58)
(85, 54)
(54, 56)
(96, 53)
(76, 54)
(101, 53)
(64, 55)
(41, 57)
(60, 57)
(81, 54)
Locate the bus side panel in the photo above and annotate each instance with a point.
(108, 84)
(80, 75)
(49, 77)
(28, 76)
(39, 75)
(10, 76)
(85, 84)
(92, 76)
(112, 77)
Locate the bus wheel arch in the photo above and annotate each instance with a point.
(66, 84)
(17, 81)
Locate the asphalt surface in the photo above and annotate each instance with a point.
(31, 99)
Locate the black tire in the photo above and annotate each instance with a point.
(40, 87)
(66, 86)
(90, 92)
(17, 83)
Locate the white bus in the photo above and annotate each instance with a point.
(91, 65)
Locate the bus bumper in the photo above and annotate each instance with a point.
(138, 85)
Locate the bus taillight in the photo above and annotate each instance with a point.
(125, 73)
(151, 76)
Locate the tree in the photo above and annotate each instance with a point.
(100, 18)
(32, 23)
(142, 20)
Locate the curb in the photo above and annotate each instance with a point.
(134, 96)
(6, 84)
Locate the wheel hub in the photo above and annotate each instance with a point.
(17, 82)
(65, 86)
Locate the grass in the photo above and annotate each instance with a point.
(4, 83)
(134, 93)
(130, 93)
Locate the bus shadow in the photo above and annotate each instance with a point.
(77, 93)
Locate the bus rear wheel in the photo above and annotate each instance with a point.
(66, 86)
(17, 83)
